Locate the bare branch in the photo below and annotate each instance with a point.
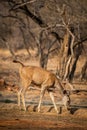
(22, 4)
(13, 17)
(67, 67)
(80, 42)
(69, 84)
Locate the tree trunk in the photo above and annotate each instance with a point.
(84, 71)
(64, 55)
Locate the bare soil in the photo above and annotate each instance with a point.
(14, 118)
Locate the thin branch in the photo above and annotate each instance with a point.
(52, 26)
(22, 4)
(67, 67)
(29, 13)
(80, 42)
(52, 43)
(13, 17)
(69, 84)
(72, 42)
(53, 50)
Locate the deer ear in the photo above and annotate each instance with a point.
(64, 92)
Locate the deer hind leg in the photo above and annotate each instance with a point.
(52, 98)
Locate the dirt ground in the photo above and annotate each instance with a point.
(14, 118)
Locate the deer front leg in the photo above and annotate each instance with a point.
(41, 97)
(25, 85)
(19, 96)
(23, 96)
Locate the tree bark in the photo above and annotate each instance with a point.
(84, 71)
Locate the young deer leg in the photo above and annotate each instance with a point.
(52, 98)
(66, 101)
(41, 96)
(19, 95)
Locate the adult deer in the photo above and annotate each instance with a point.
(46, 80)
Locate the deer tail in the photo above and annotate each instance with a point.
(16, 61)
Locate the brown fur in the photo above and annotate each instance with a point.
(41, 77)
